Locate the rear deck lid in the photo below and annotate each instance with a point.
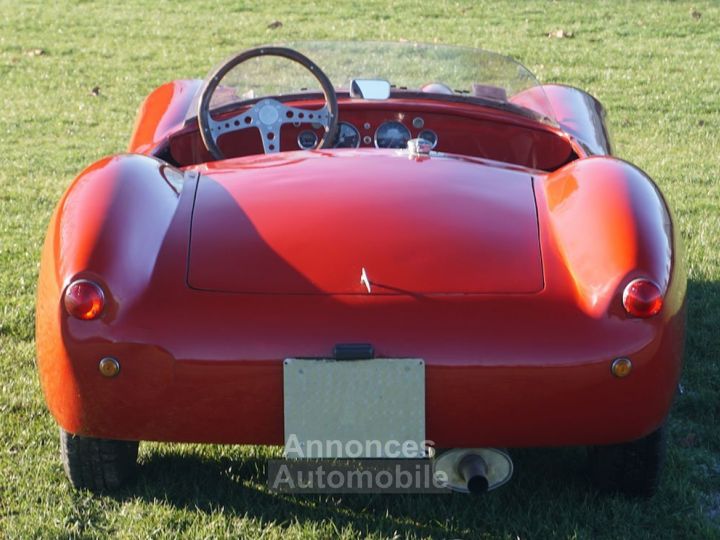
(311, 222)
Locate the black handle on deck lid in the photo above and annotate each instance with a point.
(353, 351)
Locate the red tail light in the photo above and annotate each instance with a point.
(84, 299)
(642, 298)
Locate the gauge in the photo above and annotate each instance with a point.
(347, 136)
(307, 140)
(430, 136)
(392, 135)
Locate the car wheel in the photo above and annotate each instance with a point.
(632, 468)
(97, 464)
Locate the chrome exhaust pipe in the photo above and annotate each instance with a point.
(474, 470)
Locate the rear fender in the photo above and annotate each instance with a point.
(110, 227)
(112, 220)
(609, 224)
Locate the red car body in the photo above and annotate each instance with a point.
(502, 263)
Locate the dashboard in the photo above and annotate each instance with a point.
(389, 134)
(450, 128)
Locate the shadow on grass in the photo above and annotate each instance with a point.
(239, 487)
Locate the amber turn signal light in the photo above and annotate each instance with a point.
(84, 299)
(621, 367)
(109, 367)
(642, 298)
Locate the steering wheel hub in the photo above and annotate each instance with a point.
(268, 114)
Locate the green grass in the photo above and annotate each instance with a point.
(654, 65)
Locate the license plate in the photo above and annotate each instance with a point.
(354, 408)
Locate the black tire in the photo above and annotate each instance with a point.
(632, 468)
(97, 464)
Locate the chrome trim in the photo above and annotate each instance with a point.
(419, 147)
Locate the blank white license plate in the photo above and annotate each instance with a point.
(354, 408)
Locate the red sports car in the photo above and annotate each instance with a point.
(364, 243)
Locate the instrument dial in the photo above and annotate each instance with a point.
(392, 135)
(307, 140)
(430, 136)
(347, 136)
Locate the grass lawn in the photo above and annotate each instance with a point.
(655, 66)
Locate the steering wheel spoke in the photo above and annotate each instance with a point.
(306, 116)
(234, 123)
(270, 135)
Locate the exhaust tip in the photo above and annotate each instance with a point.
(477, 485)
(473, 470)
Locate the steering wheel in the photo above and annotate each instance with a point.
(268, 115)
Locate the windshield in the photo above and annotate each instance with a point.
(434, 70)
